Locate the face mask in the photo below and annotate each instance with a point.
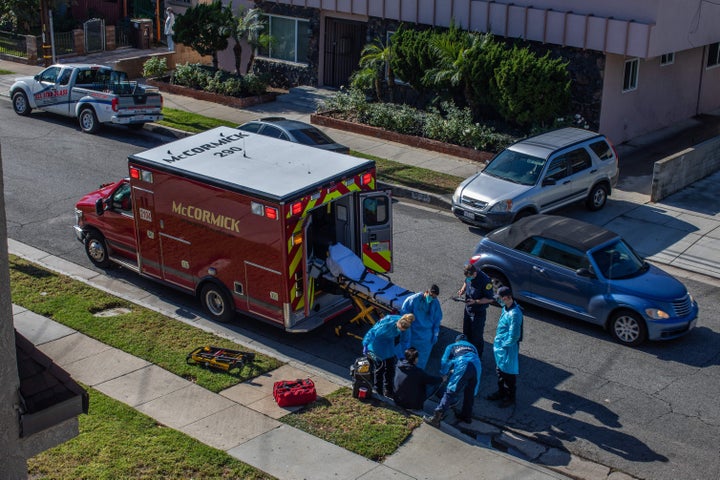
(468, 280)
(428, 298)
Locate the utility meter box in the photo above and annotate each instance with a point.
(141, 32)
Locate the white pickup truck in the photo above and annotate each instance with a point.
(94, 94)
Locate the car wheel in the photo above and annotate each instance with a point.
(498, 279)
(217, 303)
(597, 197)
(20, 103)
(628, 328)
(88, 120)
(96, 250)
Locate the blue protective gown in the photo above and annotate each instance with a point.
(507, 338)
(455, 360)
(426, 327)
(380, 339)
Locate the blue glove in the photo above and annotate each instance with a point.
(365, 350)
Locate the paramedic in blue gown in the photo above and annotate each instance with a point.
(462, 363)
(412, 384)
(380, 344)
(479, 293)
(507, 349)
(426, 327)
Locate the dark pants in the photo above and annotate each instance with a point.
(506, 384)
(466, 388)
(385, 375)
(474, 327)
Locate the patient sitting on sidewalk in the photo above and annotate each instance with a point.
(412, 384)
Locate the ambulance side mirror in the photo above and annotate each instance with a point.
(99, 207)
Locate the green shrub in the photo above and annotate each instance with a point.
(531, 90)
(256, 84)
(155, 67)
(218, 81)
(396, 118)
(191, 75)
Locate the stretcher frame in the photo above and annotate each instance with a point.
(372, 293)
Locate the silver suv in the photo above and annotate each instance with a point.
(537, 175)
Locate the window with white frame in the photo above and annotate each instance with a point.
(630, 74)
(289, 39)
(667, 59)
(713, 55)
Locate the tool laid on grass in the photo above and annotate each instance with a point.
(220, 358)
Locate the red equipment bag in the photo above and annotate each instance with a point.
(288, 393)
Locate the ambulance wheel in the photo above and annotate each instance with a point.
(96, 250)
(21, 104)
(88, 120)
(217, 303)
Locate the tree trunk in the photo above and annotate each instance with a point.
(237, 50)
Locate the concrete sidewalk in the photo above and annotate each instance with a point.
(243, 420)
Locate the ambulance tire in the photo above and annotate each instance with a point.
(96, 250)
(217, 302)
(20, 103)
(88, 120)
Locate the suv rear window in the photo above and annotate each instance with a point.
(602, 149)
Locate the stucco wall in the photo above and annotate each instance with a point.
(676, 172)
(665, 94)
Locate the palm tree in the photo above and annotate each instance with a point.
(374, 63)
(456, 53)
(247, 26)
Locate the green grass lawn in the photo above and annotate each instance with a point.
(373, 429)
(118, 442)
(191, 122)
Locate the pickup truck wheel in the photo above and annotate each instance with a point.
(597, 197)
(21, 104)
(88, 120)
(96, 250)
(217, 303)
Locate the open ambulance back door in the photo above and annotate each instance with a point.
(375, 214)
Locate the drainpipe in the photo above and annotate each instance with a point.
(702, 68)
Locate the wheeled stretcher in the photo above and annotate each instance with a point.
(372, 293)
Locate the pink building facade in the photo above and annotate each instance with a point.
(660, 59)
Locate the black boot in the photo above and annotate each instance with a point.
(434, 420)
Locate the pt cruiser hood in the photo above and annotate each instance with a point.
(654, 284)
(492, 189)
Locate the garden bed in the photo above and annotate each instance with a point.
(327, 120)
(237, 102)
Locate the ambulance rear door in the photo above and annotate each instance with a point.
(375, 223)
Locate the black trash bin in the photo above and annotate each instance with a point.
(141, 32)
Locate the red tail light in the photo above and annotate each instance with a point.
(367, 178)
(115, 104)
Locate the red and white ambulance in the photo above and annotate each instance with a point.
(241, 221)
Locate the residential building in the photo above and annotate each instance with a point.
(636, 66)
